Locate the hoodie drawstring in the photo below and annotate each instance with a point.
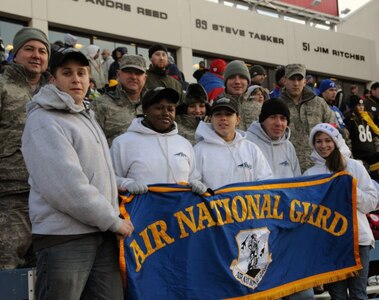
(165, 154)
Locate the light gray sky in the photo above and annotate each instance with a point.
(352, 4)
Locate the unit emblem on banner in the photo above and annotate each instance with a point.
(253, 256)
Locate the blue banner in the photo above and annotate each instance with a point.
(255, 240)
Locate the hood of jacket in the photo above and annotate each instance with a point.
(245, 96)
(122, 50)
(239, 98)
(137, 126)
(256, 129)
(157, 71)
(205, 132)
(50, 97)
(318, 160)
(92, 50)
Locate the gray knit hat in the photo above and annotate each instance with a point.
(27, 34)
(237, 67)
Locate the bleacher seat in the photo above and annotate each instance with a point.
(17, 284)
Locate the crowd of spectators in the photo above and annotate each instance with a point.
(78, 126)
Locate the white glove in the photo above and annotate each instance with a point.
(136, 188)
(198, 187)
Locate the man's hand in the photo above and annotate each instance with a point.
(126, 229)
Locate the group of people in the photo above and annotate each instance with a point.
(63, 159)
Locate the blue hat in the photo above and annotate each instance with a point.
(327, 84)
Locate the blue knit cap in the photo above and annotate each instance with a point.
(327, 84)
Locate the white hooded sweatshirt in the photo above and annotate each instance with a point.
(97, 70)
(148, 157)
(73, 187)
(280, 154)
(366, 192)
(221, 163)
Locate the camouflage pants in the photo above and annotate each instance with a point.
(15, 230)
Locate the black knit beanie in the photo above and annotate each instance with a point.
(256, 70)
(157, 47)
(354, 100)
(279, 74)
(274, 106)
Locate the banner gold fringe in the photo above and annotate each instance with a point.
(121, 259)
(300, 285)
(122, 262)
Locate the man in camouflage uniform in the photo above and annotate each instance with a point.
(307, 110)
(116, 109)
(237, 80)
(17, 85)
(157, 73)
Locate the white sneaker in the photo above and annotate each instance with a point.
(373, 280)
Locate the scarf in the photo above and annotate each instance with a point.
(365, 116)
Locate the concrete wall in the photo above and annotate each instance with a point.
(365, 23)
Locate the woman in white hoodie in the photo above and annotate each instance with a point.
(223, 154)
(152, 151)
(330, 155)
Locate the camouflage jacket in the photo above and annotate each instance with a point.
(310, 111)
(115, 112)
(187, 126)
(15, 92)
(159, 78)
(249, 109)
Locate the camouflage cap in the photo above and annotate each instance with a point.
(294, 69)
(133, 62)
